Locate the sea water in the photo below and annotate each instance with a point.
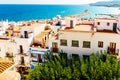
(20, 12)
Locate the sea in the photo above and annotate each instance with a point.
(23, 12)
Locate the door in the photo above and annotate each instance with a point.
(54, 47)
(21, 49)
(71, 23)
(39, 58)
(114, 27)
(22, 60)
(112, 47)
(25, 34)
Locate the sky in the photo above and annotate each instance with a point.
(48, 1)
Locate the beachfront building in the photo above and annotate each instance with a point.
(87, 36)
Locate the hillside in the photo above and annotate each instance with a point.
(114, 3)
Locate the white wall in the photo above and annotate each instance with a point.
(103, 24)
(119, 21)
(4, 24)
(107, 38)
(67, 21)
(39, 29)
(87, 36)
(55, 28)
(17, 59)
(36, 29)
(25, 42)
(7, 47)
(25, 29)
(88, 21)
(75, 36)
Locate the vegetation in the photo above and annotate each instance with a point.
(95, 67)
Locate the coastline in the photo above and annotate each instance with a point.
(37, 12)
(105, 5)
(113, 3)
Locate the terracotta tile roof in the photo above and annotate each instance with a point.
(107, 31)
(5, 65)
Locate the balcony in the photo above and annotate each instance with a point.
(113, 51)
(54, 50)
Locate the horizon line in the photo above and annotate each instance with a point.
(40, 4)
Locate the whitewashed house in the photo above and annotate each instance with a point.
(3, 27)
(86, 38)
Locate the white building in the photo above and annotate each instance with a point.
(8, 49)
(106, 24)
(84, 39)
(29, 34)
(3, 27)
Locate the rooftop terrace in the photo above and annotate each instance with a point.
(80, 27)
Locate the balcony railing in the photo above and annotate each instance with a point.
(112, 51)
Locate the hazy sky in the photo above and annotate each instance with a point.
(48, 1)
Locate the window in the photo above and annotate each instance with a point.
(33, 55)
(108, 24)
(86, 44)
(63, 42)
(98, 23)
(100, 44)
(112, 45)
(75, 43)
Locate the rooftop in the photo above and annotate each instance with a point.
(106, 31)
(4, 39)
(110, 19)
(5, 72)
(32, 25)
(4, 65)
(42, 34)
(81, 27)
(16, 29)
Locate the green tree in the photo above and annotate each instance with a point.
(99, 66)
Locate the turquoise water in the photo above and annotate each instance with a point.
(29, 12)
